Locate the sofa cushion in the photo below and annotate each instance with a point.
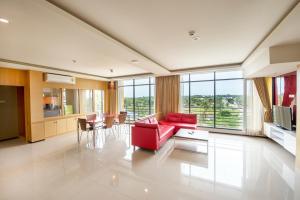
(146, 125)
(178, 125)
(173, 119)
(189, 118)
(165, 131)
(163, 122)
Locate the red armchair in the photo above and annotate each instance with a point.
(148, 134)
(180, 120)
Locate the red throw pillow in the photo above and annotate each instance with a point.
(144, 125)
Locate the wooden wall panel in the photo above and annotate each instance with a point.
(33, 96)
(37, 132)
(21, 111)
(12, 77)
(36, 96)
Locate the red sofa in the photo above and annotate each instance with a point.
(180, 120)
(149, 134)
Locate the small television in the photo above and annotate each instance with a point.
(282, 116)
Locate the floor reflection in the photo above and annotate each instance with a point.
(235, 168)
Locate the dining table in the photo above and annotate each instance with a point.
(98, 120)
(93, 123)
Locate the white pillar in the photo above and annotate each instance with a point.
(298, 119)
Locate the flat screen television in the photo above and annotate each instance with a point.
(282, 116)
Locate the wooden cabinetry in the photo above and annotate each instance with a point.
(50, 128)
(61, 126)
(72, 124)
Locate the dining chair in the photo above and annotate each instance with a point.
(91, 117)
(82, 127)
(108, 123)
(85, 126)
(121, 121)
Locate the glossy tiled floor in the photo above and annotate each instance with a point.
(235, 168)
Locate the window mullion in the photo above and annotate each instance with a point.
(214, 99)
(189, 93)
(149, 108)
(133, 100)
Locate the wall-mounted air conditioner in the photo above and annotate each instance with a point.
(57, 78)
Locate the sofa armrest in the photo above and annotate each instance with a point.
(147, 138)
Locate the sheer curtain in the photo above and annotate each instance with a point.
(255, 111)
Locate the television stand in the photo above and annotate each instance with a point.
(285, 138)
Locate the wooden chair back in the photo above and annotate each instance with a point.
(82, 124)
(109, 121)
(122, 118)
(91, 117)
(123, 112)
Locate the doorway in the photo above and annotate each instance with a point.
(12, 112)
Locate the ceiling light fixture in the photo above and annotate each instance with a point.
(135, 61)
(193, 35)
(4, 20)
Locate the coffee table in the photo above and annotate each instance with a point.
(190, 134)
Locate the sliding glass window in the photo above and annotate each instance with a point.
(99, 102)
(216, 98)
(136, 97)
(86, 101)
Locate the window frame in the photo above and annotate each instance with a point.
(133, 85)
(102, 101)
(214, 80)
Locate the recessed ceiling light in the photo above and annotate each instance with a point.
(193, 35)
(4, 20)
(134, 61)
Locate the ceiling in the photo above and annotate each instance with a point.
(286, 33)
(39, 33)
(108, 34)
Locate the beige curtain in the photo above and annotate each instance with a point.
(262, 90)
(167, 94)
(112, 96)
